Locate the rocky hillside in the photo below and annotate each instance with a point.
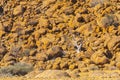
(81, 35)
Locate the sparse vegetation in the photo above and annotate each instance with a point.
(16, 69)
(75, 36)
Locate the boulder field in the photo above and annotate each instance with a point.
(79, 35)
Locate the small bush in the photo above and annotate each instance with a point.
(17, 69)
(5, 72)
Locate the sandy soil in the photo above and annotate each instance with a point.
(92, 75)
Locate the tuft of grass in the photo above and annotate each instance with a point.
(16, 69)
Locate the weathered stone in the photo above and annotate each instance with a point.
(39, 27)
(8, 58)
(43, 22)
(54, 74)
(2, 52)
(55, 52)
(93, 67)
(99, 58)
(81, 64)
(40, 65)
(56, 66)
(41, 57)
(74, 73)
(18, 10)
(93, 3)
(105, 21)
(1, 27)
(113, 43)
(24, 59)
(1, 10)
(64, 65)
(83, 69)
(117, 55)
(33, 52)
(12, 62)
(49, 66)
(33, 22)
(118, 16)
(7, 26)
(118, 64)
(68, 10)
(45, 42)
(73, 66)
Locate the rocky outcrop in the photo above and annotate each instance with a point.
(47, 33)
(55, 52)
(54, 74)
